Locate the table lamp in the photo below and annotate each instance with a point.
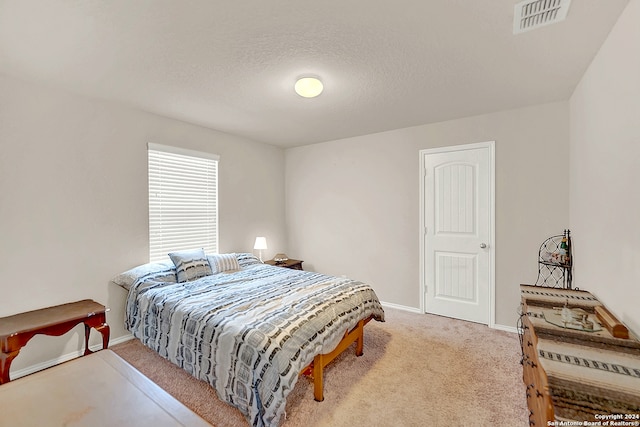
(260, 244)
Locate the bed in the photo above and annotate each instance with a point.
(247, 328)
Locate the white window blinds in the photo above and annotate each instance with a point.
(183, 201)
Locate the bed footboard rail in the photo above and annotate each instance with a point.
(316, 369)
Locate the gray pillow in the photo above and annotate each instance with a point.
(190, 265)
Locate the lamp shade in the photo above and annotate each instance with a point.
(261, 243)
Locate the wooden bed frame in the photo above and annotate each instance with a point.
(316, 368)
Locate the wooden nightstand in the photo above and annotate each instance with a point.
(294, 264)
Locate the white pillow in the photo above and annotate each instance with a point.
(223, 262)
(161, 271)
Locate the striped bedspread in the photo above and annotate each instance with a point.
(249, 333)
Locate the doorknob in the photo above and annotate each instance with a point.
(483, 245)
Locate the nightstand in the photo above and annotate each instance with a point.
(294, 264)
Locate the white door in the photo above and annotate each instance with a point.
(457, 225)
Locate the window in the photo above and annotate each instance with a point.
(183, 201)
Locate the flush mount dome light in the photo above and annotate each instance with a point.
(308, 87)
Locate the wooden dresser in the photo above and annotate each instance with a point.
(577, 371)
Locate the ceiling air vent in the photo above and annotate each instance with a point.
(532, 14)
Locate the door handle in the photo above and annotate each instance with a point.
(483, 245)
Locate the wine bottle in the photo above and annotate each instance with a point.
(564, 250)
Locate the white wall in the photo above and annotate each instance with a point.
(605, 180)
(353, 204)
(73, 201)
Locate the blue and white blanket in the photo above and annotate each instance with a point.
(248, 333)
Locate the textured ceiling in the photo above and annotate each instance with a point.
(231, 65)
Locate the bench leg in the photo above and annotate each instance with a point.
(318, 368)
(87, 331)
(5, 365)
(360, 339)
(103, 328)
(105, 331)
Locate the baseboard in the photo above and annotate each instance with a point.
(505, 328)
(64, 358)
(118, 340)
(417, 311)
(401, 307)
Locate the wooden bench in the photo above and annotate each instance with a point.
(17, 330)
(315, 370)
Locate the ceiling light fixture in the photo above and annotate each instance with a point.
(308, 87)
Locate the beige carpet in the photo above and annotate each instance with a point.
(417, 370)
